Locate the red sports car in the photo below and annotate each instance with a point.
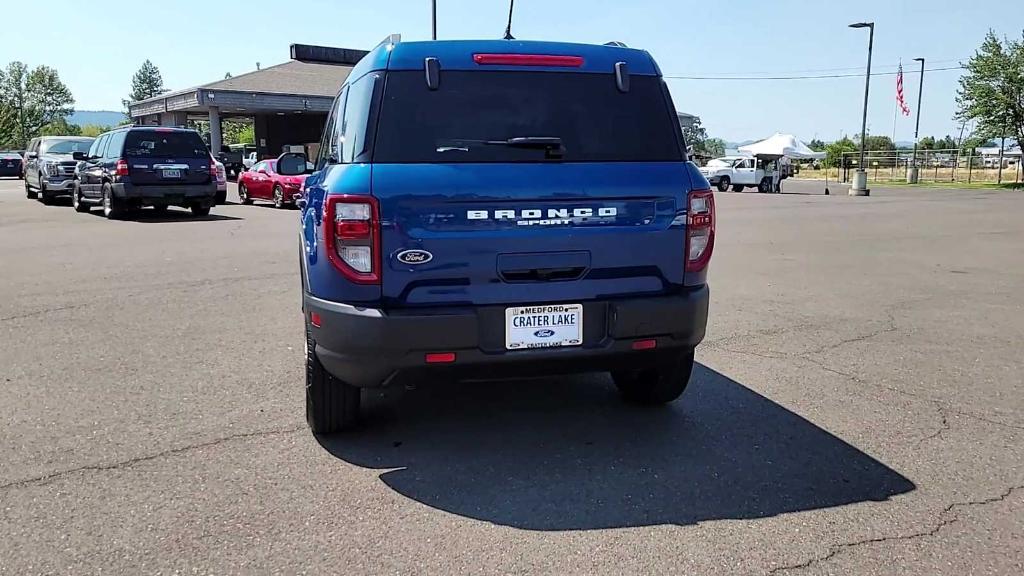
(262, 182)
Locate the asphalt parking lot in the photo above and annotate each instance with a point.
(857, 409)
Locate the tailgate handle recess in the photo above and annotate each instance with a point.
(543, 274)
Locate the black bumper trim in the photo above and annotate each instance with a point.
(369, 347)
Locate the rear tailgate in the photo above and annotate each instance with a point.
(508, 233)
(167, 157)
(527, 187)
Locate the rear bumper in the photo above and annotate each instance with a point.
(369, 347)
(183, 195)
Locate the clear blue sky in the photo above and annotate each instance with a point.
(97, 46)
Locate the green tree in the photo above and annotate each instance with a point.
(834, 151)
(146, 83)
(926, 143)
(60, 127)
(992, 90)
(712, 146)
(94, 130)
(31, 100)
(883, 143)
(816, 145)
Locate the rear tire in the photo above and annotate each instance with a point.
(331, 405)
(44, 196)
(723, 184)
(737, 188)
(113, 207)
(765, 186)
(200, 210)
(222, 198)
(31, 195)
(660, 384)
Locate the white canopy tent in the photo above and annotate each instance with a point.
(781, 145)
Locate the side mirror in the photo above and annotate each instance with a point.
(80, 156)
(291, 164)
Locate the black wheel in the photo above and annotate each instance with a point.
(765, 186)
(113, 207)
(44, 196)
(29, 193)
(278, 197)
(331, 405)
(221, 197)
(76, 200)
(243, 194)
(723, 184)
(656, 385)
(200, 210)
(737, 188)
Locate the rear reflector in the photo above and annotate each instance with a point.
(645, 344)
(440, 358)
(314, 319)
(528, 60)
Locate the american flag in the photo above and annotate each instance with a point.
(899, 92)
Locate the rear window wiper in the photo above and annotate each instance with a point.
(552, 145)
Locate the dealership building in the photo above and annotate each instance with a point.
(287, 103)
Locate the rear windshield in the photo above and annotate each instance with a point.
(169, 144)
(473, 112)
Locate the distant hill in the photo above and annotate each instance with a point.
(96, 117)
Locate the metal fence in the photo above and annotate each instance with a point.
(933, 166)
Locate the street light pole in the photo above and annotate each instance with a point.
(860, 177)
(912, 178)
(433, 19)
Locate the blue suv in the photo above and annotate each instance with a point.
(495, 209)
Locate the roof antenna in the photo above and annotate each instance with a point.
(508, 29)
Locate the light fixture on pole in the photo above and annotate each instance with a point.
(860, 176)
(913, 176)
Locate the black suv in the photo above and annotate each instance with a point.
(140, 166)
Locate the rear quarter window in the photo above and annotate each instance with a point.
(460, 121)
(172, 144)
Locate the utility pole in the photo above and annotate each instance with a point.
(860, 177)
(912, 178)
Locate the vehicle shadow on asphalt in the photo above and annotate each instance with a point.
(566, 454)
(145, 216)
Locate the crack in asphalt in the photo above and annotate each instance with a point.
(892, 327)
(43, 311)
(943, 426)
(52, 476)
(943, 522)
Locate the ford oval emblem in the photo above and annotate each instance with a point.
(545, 333)
(414, 256)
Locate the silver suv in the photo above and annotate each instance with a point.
(50, 166)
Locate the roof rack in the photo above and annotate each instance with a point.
(616, 43)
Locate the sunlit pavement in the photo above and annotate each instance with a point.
(858, 409)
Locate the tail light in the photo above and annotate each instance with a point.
(528, 60)
(121, 168)
(352, 237)
(700, 229)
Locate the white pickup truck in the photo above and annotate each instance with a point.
(249, 160)
(739, 172)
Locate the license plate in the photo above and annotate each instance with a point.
(10, 164)
(548, 326)
(172, 173)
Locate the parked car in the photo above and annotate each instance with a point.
(11, 164)
(532, 237)
(262, 182)
(137, 166)
(222, 183)
(736, 172)
(50, 166)
(231, 159)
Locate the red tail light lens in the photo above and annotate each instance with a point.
(528, 60)
(121, 168)
(352, 237)
(700, 229)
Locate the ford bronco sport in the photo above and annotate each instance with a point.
(493, 209)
